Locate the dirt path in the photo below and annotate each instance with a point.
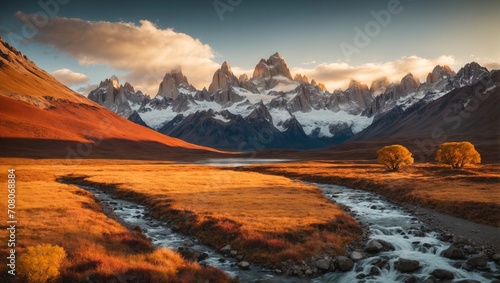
(479, 233)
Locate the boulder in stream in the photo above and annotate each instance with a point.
(323, 264)
(243, 265)
(442, 274)
(344, 263)
(479, 260)
(454, 253)
(373, 246)
(191, 254)
(407, 265)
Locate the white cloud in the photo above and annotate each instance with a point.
(492, 65)
(143, 51)
(338, 75)
(70, 78)
(86, 89)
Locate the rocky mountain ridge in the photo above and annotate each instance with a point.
(272, 109)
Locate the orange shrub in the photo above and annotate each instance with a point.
(457, 154)
(41, 263)
(394, 156)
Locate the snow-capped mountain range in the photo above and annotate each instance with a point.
(272, 109)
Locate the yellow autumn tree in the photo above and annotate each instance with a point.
(394, 157)
(41, 263)
(457, 154)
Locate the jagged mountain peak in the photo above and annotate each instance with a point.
(127, 86)
(172, 82)
(301, 79)
(223, 78)
(321, 86)
(112, 81)
(274, 66)
(379, 85)
(226, 68)
(355, 84)
(470, 73)
(243, 78)
(277, 55)
(439, 73)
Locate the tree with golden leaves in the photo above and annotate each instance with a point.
(41, 263)
(394, 157)
(457, 154)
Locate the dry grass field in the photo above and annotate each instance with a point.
(268, 218)
(96, 246)
(472, 193)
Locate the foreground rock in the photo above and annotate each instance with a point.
(244, 265)
(454, 253)
(407, 265)
(442, 274)
(344, 263)
(191, 254)
(323, 264)
(479, 260)
(373, 246)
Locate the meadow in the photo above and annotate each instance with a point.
(267, 218)
(471, 192)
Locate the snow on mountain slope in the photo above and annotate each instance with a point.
(297, 108)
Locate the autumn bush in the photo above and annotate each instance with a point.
(41, 263)
(457, 154)
(394, 157)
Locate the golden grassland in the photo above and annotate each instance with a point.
(96, 246)
(472, 193)
(268, 218)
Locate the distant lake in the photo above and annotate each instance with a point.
(240, 161)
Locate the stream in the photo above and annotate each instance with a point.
(393, 225)
(385, 220)
(163, 234)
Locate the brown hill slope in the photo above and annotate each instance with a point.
(40, 117)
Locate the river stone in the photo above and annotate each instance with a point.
(407, 265)
(345, 263)
(386, 246)
(226, 249)
(469, 249)
(496, 257)
(373, 246)
(479, 260)
(453, 253)
(243, 265)
(192, 255)
(459, 239)
(468, 281)
(442, 274)
(374, 271)
(356, 256)
(322, 264)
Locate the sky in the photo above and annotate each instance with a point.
(82, 42)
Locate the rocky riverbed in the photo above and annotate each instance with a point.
(397, 246)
